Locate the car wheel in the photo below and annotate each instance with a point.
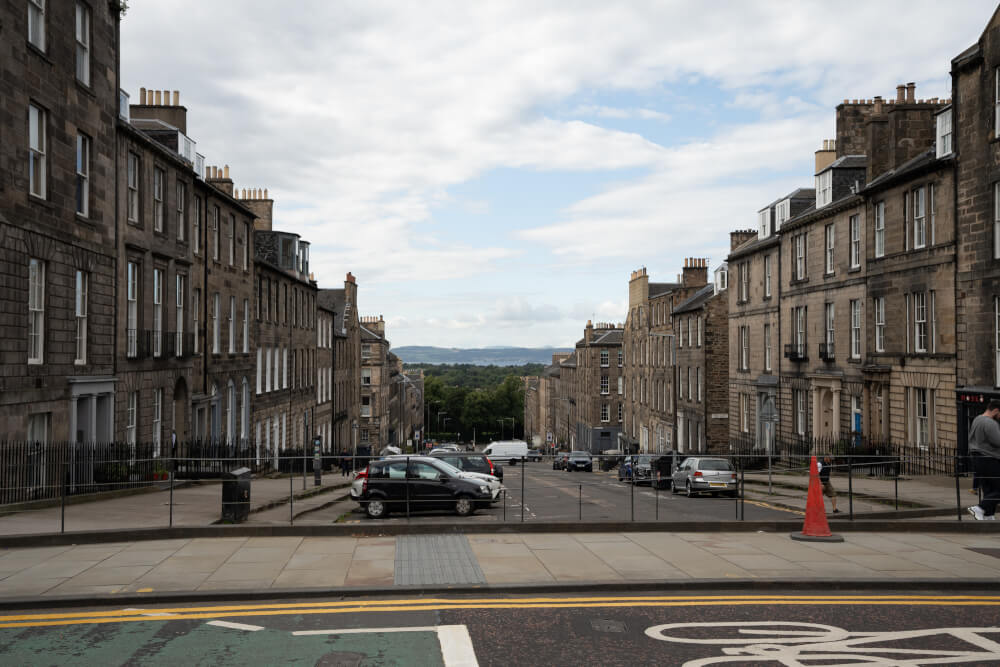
(464, 506)
(687, 489)
(376, 509)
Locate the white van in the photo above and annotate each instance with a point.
(510, 451)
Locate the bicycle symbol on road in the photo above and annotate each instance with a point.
(800, 644)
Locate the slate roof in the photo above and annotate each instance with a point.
(658, 289)
(612, 337)
(847, 162)
(697, 300)
(927, 158)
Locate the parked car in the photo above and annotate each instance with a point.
(705, 475)
(422, 482)
(357, 484)
(479, 463)
(637, 469)
(534, 455)
(559, 460)
(507, 450)
(580, 461)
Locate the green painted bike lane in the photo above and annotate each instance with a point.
(183, 642)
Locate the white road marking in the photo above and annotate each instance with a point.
(236, 626)
(456, 644)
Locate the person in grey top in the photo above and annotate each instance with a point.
(984, 450)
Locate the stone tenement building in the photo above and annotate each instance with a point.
(702, 324)
(864, 290)
(599, 397)
(285, 402)
(160, 266)
(58, 102)
(373, 426)
(347, 362)
(754, 339)
(325, 320)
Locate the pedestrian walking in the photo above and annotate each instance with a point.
(984, 452)
(825, 468)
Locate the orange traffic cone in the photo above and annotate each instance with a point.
(815, 528)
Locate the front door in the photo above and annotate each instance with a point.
(766, 420)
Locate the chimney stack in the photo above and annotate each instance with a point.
(220, 179)
(826, 155)
(695, 272)
(739, 237)
(911, 89)
(156, 105)
(262, 206)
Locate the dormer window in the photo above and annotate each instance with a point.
(824, 188)
(944, 133)
(782, 212)
(764, 223)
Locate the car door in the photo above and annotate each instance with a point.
(428, 486)
(680, 475)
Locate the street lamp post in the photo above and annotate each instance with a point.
(446, 420)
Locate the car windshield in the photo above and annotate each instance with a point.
(447, 467)
(644, 459)
(714, 464)
(580, 454)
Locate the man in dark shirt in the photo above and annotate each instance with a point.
(984, 450)
(825, 468)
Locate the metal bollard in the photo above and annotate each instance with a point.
(656, 489)
(742, 494)
(522, 489)
(632, 497)
(850, 488)
(62, 513)
(505, 505)
(580, 503)
(406, 481)
(291, 499)
(896, 484)
(958, 492)
(170, 523)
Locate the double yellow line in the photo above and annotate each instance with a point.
(443, 604)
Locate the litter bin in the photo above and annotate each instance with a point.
(236, 496)
(663, 470)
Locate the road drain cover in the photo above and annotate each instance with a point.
(604, 625)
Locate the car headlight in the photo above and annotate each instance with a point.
(484, 489)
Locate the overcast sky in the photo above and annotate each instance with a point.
(493, 171)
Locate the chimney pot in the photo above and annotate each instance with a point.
(208, 173)
(177, 98)
(226, 172)
(900, 93)
(265, 194)
(142, 96)
(911, 89)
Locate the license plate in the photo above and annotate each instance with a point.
(715, 484)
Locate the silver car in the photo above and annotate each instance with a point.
(698, 474)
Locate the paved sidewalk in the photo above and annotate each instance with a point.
(196, 504)
(871, 494)
(240, 564)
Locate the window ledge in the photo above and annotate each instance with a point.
(85, 88)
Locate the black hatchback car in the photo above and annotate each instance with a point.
(422, 483)
(471, 463)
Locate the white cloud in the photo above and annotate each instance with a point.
(359, 116)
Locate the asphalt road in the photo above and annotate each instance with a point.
(557, 495)
(692, 629)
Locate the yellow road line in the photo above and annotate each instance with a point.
(444, 605)
(376, 604)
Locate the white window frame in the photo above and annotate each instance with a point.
(744, 282)
(764, 223)
(919, 217)
(921, 416)
(159, 176)
(782, 212)
(157, 420)
(269, 375)
(824, 188)
(605, 412)
(800, 330)
(800, 257)
(880, 324)
(744, 348)
(996, 220)
(260, 374)
(232, 239)
(920, 322)
(132, 184)
(83, 43)
(366, 406)
(855, 226)
(246, 246)
(132, 310)
(180, 197)
(232, 325)
(880, 229)
(196, 232)
(698, 381)
(830, 319)
(246, 326)
(36, 23)
(179, 294)
(855, 328)
(767, 276)
(944, 136)
(37, 150)
(621, 358)
(767, 347)
(605, 358)
(157, 312)
(131, 417)
(800, 411)
(621, 385)
(605, 385)
(195, 314)
(82, 174)
(830, 237)
(213, 225)
(36, 311)
(366, 377)
(932, 298)
(80, 313)
(284, 368)
(216, 325)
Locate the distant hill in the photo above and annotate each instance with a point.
(489, 356)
